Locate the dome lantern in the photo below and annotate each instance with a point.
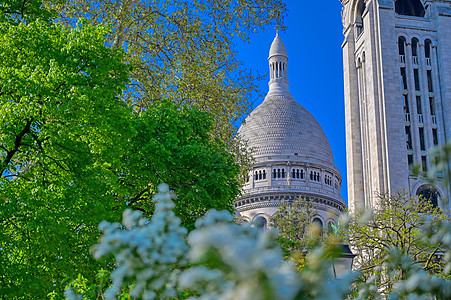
(278, 62)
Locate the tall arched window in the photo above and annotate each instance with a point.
(427, 52)
(318, 222)
(260, 222)
(402, 49)
(402, 45)
(415, 52)
(414, 47)
(427, 48)
(359, 17)
(429, 194)
(410, 8)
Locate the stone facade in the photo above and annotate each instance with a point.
(292, 154)
(397, 84)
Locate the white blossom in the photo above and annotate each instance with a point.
(146, 252)
(256, 269)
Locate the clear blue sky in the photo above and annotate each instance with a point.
(315, 66)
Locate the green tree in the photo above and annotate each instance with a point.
(396, 222)
(184, 51)
(174, 145)
(56, 86)
(297, 234)
(72, 153)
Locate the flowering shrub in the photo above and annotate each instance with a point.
(148, 253)
(225, 260)
(233, 261)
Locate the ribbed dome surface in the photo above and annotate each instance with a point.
(277, 47)
(281, 126)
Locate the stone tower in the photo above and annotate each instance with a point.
(397, 82)
(292, 154)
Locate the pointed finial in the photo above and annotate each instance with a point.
(277, 30)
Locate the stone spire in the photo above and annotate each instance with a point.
(278, 66)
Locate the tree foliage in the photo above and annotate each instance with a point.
(397, 222)
(56, 147)
(297, 234)
(173, 145)
(184, 50)
(226, 261)
(72, 153)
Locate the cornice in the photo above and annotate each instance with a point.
(275, 200)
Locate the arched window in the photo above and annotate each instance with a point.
(359, 17)
(283, 173)
(297, 173)
(427, 52)
(302, 174)
(274, 173)
(255, 175)
(278, 173)
(427, 48)
(260, 222)
(318, 222)
(402, 45)
(410, 8)
(264, 174)
(429, 194)
(293, 173)
(259, 175)
(414, 47)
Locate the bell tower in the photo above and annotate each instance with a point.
(397, 84)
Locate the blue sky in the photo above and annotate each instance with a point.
(315, 68)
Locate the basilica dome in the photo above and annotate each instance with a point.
(292, 155)
(282, 127)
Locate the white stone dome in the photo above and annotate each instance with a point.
(277, 47)
(282, 127)
(292, 155)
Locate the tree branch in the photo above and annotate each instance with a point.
(17, 143)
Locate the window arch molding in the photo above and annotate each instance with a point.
(260, 221)
(415, 46)
(359, 9)
(402, 44)
(358, 18)
(317, 219)
(426, 37)
(419, 185)
(429, 193)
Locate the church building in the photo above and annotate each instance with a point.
(292, 154)
(397, 84)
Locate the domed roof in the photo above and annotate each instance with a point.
(277, 47)
(282, 127)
